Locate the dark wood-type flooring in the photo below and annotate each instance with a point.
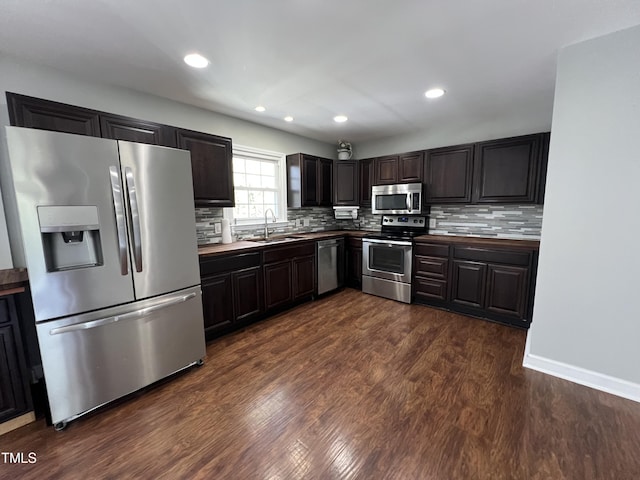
(350, 386)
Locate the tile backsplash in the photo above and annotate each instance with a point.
(500, 221)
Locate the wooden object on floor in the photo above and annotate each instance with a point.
(351, 386)
(17, 422)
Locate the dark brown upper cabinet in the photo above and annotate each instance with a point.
(410, 167)
(506, 170)
(309, 181)
(130, 129)
(406, 167)
(43, 114)
(385, 170)
(345, 182)
(211, 165)
(448, 174)
(365, 169)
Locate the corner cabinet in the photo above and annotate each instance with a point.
(309, 181)
(212, 167)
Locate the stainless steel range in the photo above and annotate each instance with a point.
(387, 257)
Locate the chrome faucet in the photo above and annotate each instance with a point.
(266, 230)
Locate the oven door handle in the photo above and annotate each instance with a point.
(391, 243)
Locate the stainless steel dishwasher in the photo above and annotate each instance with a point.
(330, 264)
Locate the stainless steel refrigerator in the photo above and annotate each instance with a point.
(107, 231)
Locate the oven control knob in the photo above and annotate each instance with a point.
(421, 221)
(415, 221)
(391, 220)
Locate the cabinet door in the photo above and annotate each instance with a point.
(386, 170)
(468, 283)
(304, 276)
(33, 112)
(345, 182)
(354, 267)
(505, 171)
(448, 174)
(410, 167)
(211, 166)
(247, 293)
(278, 289)
(13, 401)
(118, 127)
(310, 181)
(217, 302)
(507, 288)
(325, 182)
(366, 180)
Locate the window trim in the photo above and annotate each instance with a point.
(261, 154)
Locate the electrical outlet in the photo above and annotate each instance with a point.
(432, 223)
(217, 227)
(298, 222)
(307, 222)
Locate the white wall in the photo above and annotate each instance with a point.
(38, 81)
(586, 322)
(458, 131)
(5, 251)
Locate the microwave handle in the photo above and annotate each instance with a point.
(409, 202)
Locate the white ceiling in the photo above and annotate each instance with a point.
(312, 59)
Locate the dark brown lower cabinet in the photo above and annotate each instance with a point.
(289, 273)
(482, 280)
(231, 291)
(278, 286)
(354, 262)
(15, 395)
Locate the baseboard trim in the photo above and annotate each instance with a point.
(582, 376)
(17, 422)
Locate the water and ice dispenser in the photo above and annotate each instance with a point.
(70, 237)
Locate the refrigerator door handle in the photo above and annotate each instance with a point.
(135, 218)
(126, 316)
(121, 228)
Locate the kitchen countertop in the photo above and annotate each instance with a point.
(481, 241)
(13, 280)
(248, 245)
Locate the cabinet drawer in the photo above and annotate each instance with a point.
(277, 254)
(214, 265)
(431, 249)
(431, 266)
(429, 288)
(494, 256)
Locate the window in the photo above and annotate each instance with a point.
(259, 184)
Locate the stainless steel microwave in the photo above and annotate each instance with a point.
(398, 199)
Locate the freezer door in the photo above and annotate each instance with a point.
(161, 218)
(92, 359)
(70, 205)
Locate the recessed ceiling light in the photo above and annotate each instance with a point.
(434, 93)
(340, 118)
(196, 60)
(260, 108)
(288, 118)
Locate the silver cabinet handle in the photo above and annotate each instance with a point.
(126, 316)
(121, 228)
(135, 218)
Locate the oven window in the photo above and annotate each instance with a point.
(396, 201)
(386, 259)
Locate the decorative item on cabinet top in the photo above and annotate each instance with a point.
(345, 151)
